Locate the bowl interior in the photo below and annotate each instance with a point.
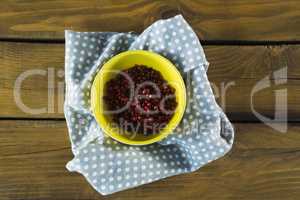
(124, 61)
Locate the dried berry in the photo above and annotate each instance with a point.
(141, 100)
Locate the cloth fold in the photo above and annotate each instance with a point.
(203, 135)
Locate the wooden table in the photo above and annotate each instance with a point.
(244, 40)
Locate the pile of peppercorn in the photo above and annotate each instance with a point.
(139, 100)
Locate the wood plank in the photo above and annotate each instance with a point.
(19, 58)
(242, 65)
(263, 164)
(212, 20)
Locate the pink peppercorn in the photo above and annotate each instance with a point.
(149, 101)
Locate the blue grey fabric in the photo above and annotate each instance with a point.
(203, 135)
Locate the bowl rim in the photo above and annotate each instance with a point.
(100, 119)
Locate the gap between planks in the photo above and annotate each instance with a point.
(203, 42)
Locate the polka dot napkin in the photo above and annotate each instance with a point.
(203, 135)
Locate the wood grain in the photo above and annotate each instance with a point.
(242, 66)
(234, 20)
(263, 164)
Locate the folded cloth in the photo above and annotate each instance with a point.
(203, 135)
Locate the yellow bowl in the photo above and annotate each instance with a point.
(126, 60)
